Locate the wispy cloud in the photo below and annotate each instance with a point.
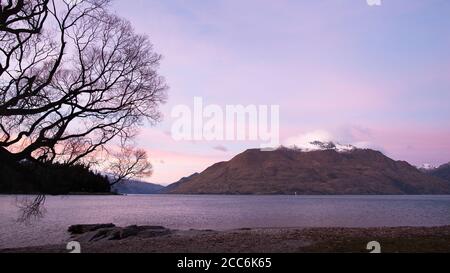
(220, 148)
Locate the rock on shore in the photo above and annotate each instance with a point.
(105, 232)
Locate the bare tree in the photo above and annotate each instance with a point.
(70, 72)
(19, 17)
(129, 162)
(73, 77)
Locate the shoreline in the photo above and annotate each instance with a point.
(143, 239)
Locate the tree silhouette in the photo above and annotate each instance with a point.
(72, 72)
(127, 163)
(73, 77)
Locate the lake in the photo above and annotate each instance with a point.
(218, 212)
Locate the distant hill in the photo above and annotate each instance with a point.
(329, 170)
(136, 187)
(442, 172)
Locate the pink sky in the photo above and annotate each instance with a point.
(373, 75)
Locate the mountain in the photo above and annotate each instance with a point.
(442, 172)
(173, 186)
(329, 170)
(136, 187)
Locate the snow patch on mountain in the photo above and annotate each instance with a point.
(323, 145)
(427, 167)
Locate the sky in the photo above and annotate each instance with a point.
(340, 70)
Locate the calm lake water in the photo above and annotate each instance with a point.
(218, 212)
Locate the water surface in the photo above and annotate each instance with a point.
(218, 212)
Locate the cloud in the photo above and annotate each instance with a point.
(303, 141)
(220, 148)
(357, 136)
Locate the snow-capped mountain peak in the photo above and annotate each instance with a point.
(327, 145)
(427, 166)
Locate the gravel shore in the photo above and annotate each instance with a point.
(268, 240)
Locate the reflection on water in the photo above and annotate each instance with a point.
(219, 212)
